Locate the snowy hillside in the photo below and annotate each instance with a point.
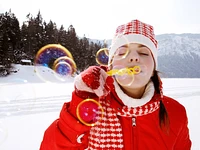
(179, 55)
(179, 44)
(33, 91)
(31, 74)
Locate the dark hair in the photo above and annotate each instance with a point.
(163, 115)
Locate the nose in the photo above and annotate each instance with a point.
(134, 57)
(131, 60)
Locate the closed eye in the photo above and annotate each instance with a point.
(122, 51)
(146, 54)
(143, 51)
(121, 54)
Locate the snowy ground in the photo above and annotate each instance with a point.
(28, 105)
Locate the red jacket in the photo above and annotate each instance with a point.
(139, 133)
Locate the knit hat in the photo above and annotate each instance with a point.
(134, 32)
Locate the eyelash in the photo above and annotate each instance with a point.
(121, 54)
(144, 54)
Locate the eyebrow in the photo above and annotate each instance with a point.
(126, 45)
(140, 46)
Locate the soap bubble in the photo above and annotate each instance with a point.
(89, 112)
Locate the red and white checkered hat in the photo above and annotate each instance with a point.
(134, 32)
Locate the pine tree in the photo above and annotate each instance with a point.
(25, 41)
(9, 39)
(50, 34)
(62, 36)
(32, 35)
(39, 30)
(1, 38)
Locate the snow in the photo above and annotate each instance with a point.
(29, 103)
(182, 44)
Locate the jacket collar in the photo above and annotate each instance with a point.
(132, 102)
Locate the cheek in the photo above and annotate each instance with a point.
(118, 62)
(151, 67)
(150, 63)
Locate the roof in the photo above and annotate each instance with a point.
(26, 60)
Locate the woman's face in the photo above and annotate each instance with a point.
(131, 55)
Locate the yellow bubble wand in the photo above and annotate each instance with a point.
(123, 71)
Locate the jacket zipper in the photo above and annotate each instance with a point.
(133, 121)
(134, 133)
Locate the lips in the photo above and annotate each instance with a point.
(135, 69)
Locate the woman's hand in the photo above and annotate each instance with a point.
(93, 80)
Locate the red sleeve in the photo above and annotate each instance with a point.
(65, 132)
(183, 140)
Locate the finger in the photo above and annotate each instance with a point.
(80, 85)
(103, 74)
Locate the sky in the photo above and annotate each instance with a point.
(98, 19)
(33, 106)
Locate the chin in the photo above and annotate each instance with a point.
(134, 85)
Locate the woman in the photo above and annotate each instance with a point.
(136, 115)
